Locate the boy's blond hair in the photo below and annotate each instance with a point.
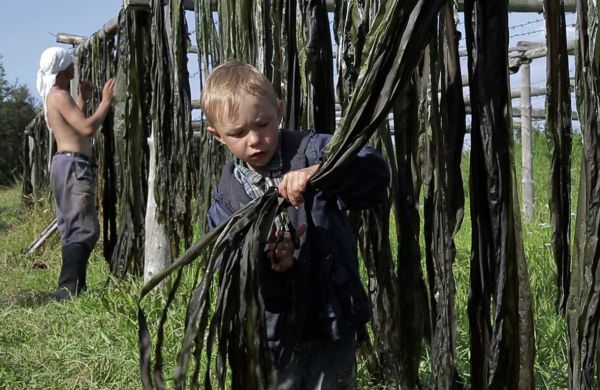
(226, 85)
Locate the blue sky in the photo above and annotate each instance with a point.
(28, 27)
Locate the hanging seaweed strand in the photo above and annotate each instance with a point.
(446, 197)
(131, 129)
(583, 307)
(211, 154)
(97, 63)
(499, 306)
(558, 132)
(319, 69)
(171, 122)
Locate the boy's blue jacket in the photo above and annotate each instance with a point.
(321, 296)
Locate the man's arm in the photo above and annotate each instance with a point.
(75, 117)
(85, 94)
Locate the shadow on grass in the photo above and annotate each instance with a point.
(27, 298)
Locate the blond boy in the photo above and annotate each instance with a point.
(314, 299)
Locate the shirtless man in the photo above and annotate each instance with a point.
(71, 174)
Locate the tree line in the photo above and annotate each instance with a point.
(17, 109)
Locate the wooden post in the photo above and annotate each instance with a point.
(156, 250)
(526, 142)
(513, 5)
(75, 82)
(50, 147)
(33, 172)
(47, 232)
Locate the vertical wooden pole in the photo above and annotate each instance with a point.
(50, 147)
(156, 249)
(526, 142)
(33, 171)
(75, 82)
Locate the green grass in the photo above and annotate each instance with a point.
(91, 343)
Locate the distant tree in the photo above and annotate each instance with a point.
(17, 109)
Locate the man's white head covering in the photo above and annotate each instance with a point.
(52, 61)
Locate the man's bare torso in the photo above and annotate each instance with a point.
(67, 137)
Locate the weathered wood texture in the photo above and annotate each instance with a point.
(111, 26)
(156, 246)
(526, 144)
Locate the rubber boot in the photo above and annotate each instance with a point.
(81, 277)
(71, 280)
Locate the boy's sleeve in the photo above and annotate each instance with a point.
(364, 181)
(212, 218)
(216, 215)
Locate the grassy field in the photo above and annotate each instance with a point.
(91, 343)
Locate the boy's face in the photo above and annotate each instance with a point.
(252, 136)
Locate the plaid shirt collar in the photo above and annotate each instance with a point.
(254, 183)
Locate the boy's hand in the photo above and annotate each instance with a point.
(294, 183)
(281, 249)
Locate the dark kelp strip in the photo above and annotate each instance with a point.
(445, 197)
(238, 320)
(171, 122)
(583, 307)
(392, 357)
(320, 107)
(97, 62)
(499, 307)
(209, 154)
(131, 130)
(558, 132)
